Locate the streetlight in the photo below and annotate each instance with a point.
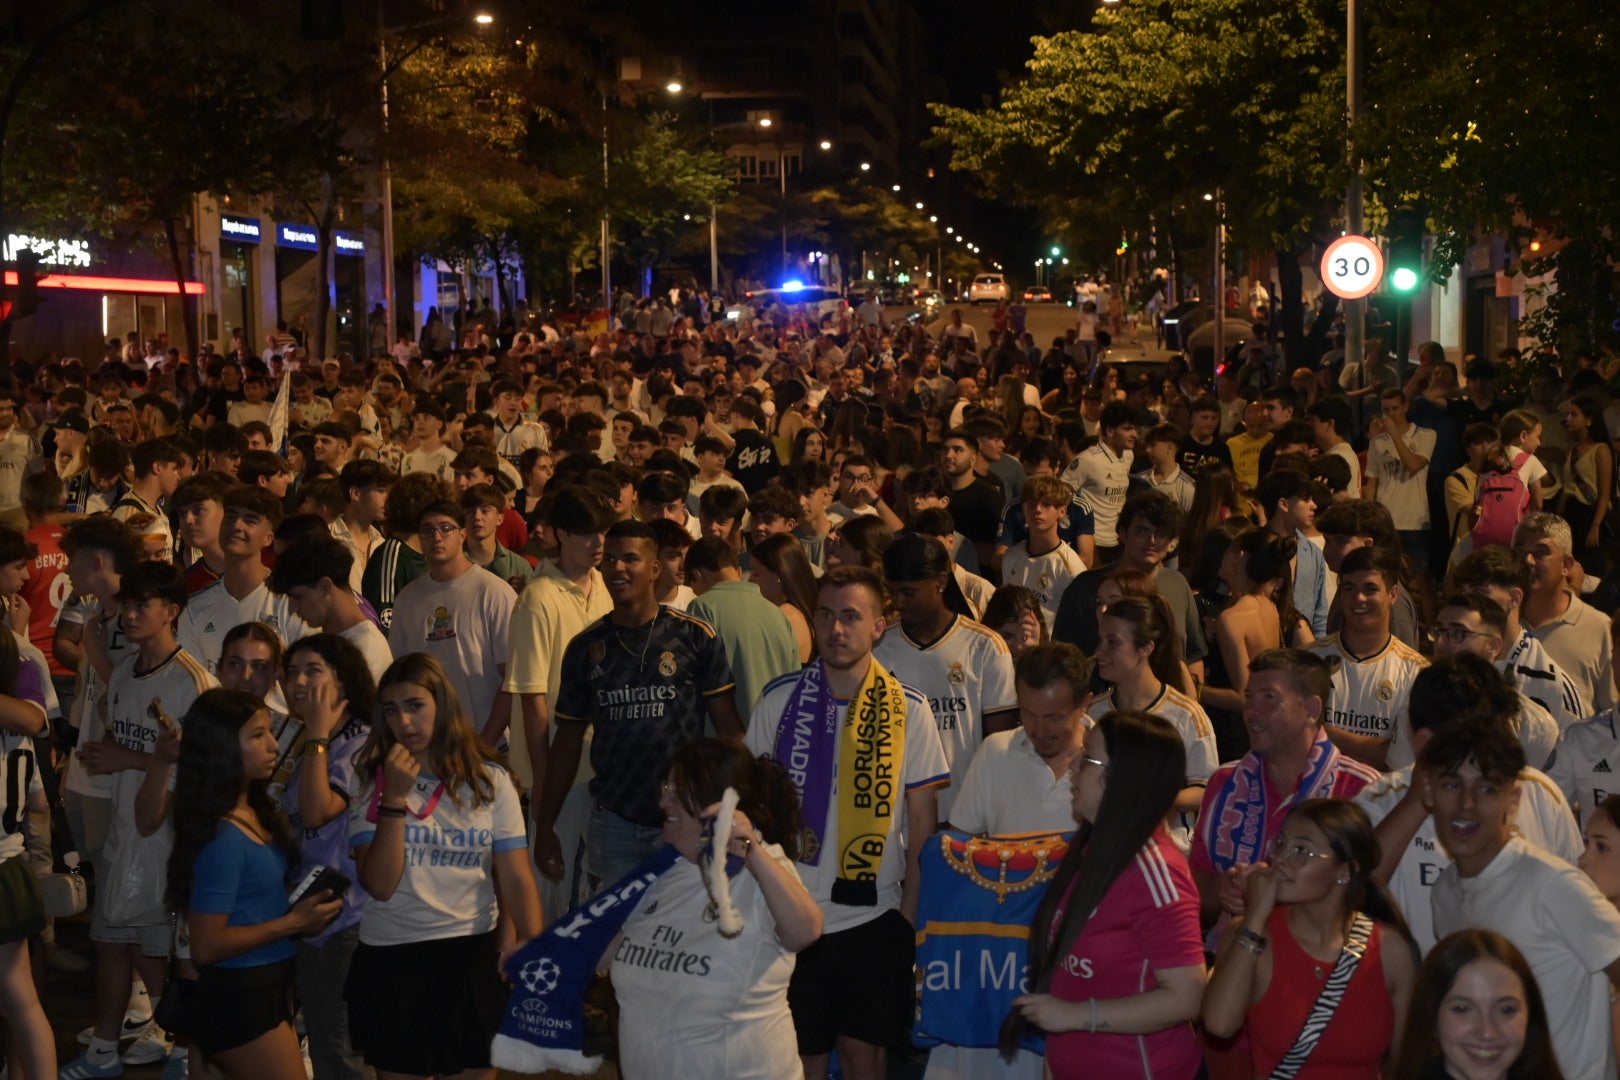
(919, 206)
(949, 230)
(933, 219)
(826, 144)
(482, 18)
(764, 121)
(866, 166)
(896, 187)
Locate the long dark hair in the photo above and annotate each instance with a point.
(1350, 836)
(784, 556)
(208, 781)
(1147, 768)
(349, 668)
(1420, 1055)
(703, 769)
(1268, 562)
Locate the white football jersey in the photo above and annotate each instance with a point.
(1587, 762)
(1197, 736)
(1544, 818)
(1044, 575)
(212, 613)
(1370, 693)
(967, 673)
(1536, 675)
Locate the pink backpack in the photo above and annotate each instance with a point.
(1503, 502)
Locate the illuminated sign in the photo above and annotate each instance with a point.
(244, 230)
(60, 252)
(111, 284)
(348, 244)
(300, 237)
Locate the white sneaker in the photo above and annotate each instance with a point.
(149, 1047)
(303, 1048)
(133, 1024)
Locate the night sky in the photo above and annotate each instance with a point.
(975, 48)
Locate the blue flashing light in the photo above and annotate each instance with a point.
(792, 286)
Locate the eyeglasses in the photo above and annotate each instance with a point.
(1456, 635)
(1297, 853)
(439, 531)
(1084, 761)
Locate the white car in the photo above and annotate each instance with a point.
(988, 288)
(819, 299)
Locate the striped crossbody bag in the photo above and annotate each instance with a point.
(1327, 1002)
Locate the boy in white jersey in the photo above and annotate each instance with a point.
(159, 675)
(1043, 563)
(431, 454)
(1102, 473)
(1474, 624)
(1496, 573)
(964, 668)
(243, 593)
(1375, 669)
(1465, 692)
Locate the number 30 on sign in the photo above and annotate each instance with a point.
(1352, 267)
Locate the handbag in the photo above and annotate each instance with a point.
(64, 895)
(176, 1010)
(1327, 1001)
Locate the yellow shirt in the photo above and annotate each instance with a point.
(549, 612)
(1245, 450)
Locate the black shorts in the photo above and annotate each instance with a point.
(857, 983)
(234, 1006)
(427, 1008)
(22, 909)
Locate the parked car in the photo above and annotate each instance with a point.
(988, 288)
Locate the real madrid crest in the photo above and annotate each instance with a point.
(1386, 691)
(957, 675)
(598, 651)
(666, 664)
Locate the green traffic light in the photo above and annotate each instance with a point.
(1404, 279)
(1057, 250)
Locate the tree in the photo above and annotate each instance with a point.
(1505, 121)
(1159, 104)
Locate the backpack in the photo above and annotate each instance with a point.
(1503, 502)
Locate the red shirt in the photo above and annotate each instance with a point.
(1147, 922)
(46, 592)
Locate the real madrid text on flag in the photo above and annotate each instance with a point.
(978, 897)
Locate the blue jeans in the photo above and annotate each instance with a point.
(614, 846)
(321, 973)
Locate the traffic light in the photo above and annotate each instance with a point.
(1404, 261)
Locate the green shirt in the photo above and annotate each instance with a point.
(758, 638)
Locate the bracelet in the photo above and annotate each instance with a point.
(383, 810)
(1092, 1028)
(324, 744)
(1252, 942)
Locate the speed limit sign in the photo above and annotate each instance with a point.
(1352, 267)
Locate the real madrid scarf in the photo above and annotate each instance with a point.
(544, 1025)
(870, 746)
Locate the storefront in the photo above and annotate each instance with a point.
(239, 279)
(349, 292)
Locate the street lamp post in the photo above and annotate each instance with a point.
(1355, 311)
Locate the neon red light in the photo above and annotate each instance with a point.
(111, 284)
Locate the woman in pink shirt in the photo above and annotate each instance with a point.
(1116, 960)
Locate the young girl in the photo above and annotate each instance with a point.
(228, 872)
(331, 692)
(1588, 483)
(438, 838)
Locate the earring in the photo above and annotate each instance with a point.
(1344, 881)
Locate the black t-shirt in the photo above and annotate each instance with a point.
(753, 461)
(1195, 455)
(643, 692)
(977, 510)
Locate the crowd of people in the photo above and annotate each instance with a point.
(343, 679)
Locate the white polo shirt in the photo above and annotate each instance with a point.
(1010, 790)
(1578, 641)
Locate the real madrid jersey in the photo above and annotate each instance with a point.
(1370, 693)
(644, 691)
(1197, 737)
(966, 674)
(1586, 764)
(1543, 818)
(1543, 681)
(1046, 575)
(212, 613)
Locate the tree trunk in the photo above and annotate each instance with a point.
(1172, 293)
(188, 303)
(1289, 317)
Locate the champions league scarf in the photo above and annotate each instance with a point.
(1238, 816)
(870, 744)
(544, 1025)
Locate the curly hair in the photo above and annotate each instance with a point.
(349, 668)
(208, 781)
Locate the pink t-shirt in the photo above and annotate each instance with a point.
(1147, 922)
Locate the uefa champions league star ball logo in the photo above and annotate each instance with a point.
(540, 976)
